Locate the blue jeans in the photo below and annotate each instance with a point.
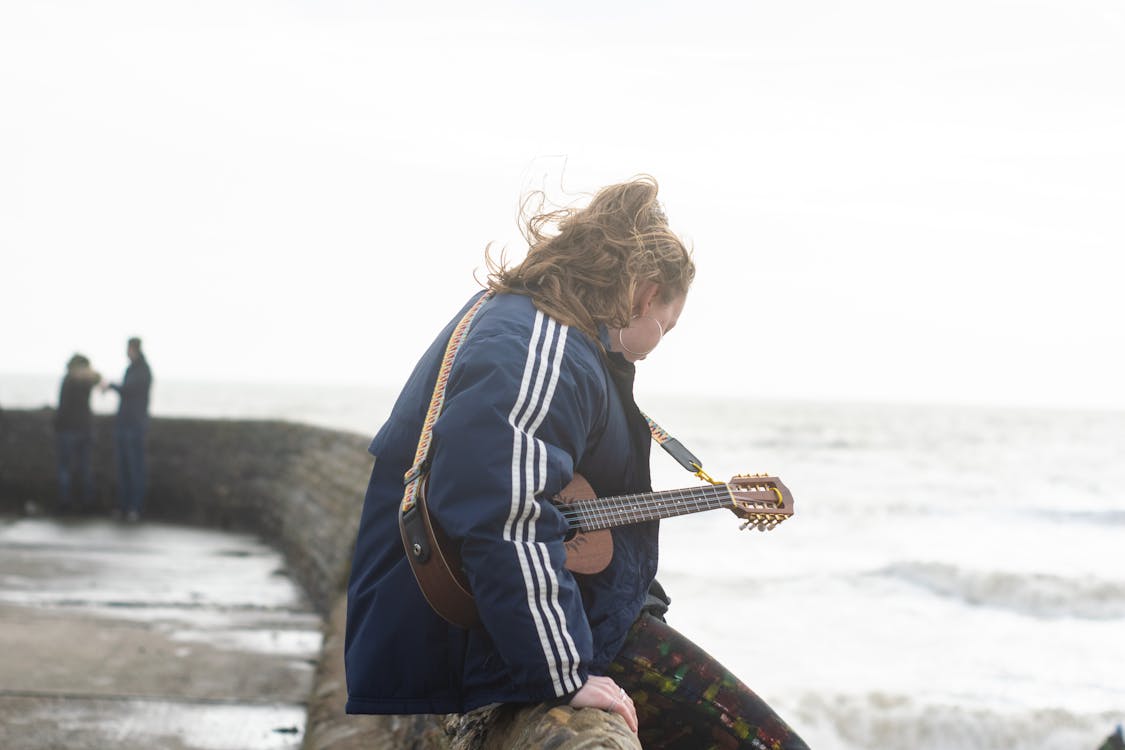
(75, 463)
(129, 442)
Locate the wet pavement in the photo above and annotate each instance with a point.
(149, 636)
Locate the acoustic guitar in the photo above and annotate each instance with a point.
(762, 501)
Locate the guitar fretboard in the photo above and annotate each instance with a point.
(622, 510)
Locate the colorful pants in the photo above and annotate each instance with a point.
(687, 701)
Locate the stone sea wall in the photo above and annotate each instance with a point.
(300, 488)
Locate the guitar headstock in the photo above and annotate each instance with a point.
(763, 501)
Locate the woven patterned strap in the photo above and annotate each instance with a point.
(659, 434)
(413, 478)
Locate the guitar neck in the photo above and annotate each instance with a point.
(622, 510)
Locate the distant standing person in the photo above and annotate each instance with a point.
(130, 431)
(74, 434)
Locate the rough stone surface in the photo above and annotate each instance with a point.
(541, 727)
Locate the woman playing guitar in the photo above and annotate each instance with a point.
(536, 387)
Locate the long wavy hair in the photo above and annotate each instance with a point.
(584, 265)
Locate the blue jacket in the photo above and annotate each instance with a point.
(529, 403)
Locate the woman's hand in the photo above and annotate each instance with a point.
(604, 693)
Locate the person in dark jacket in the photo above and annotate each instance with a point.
(130, 431)
(539, 392)
(74, 435)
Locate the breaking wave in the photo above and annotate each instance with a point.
(880, 720)
(1037, 594)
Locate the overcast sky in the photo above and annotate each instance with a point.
(887, 200)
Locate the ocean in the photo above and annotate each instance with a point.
(953, 577)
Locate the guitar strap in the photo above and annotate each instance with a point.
(413, 478)
(677, 450)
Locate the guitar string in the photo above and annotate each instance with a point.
(640, 503)
(615, 516)
(592, 523)
(625, 505)
(625, 508)
(628, 504)
(596, 520)
(644, 501)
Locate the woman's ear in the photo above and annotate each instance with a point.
(647, 292)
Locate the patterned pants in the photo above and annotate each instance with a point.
(687, 701)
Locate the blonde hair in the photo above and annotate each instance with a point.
(584, 264)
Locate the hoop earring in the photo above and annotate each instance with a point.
(643, 341)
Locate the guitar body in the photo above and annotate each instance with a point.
(436, 560)
(586, 552)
